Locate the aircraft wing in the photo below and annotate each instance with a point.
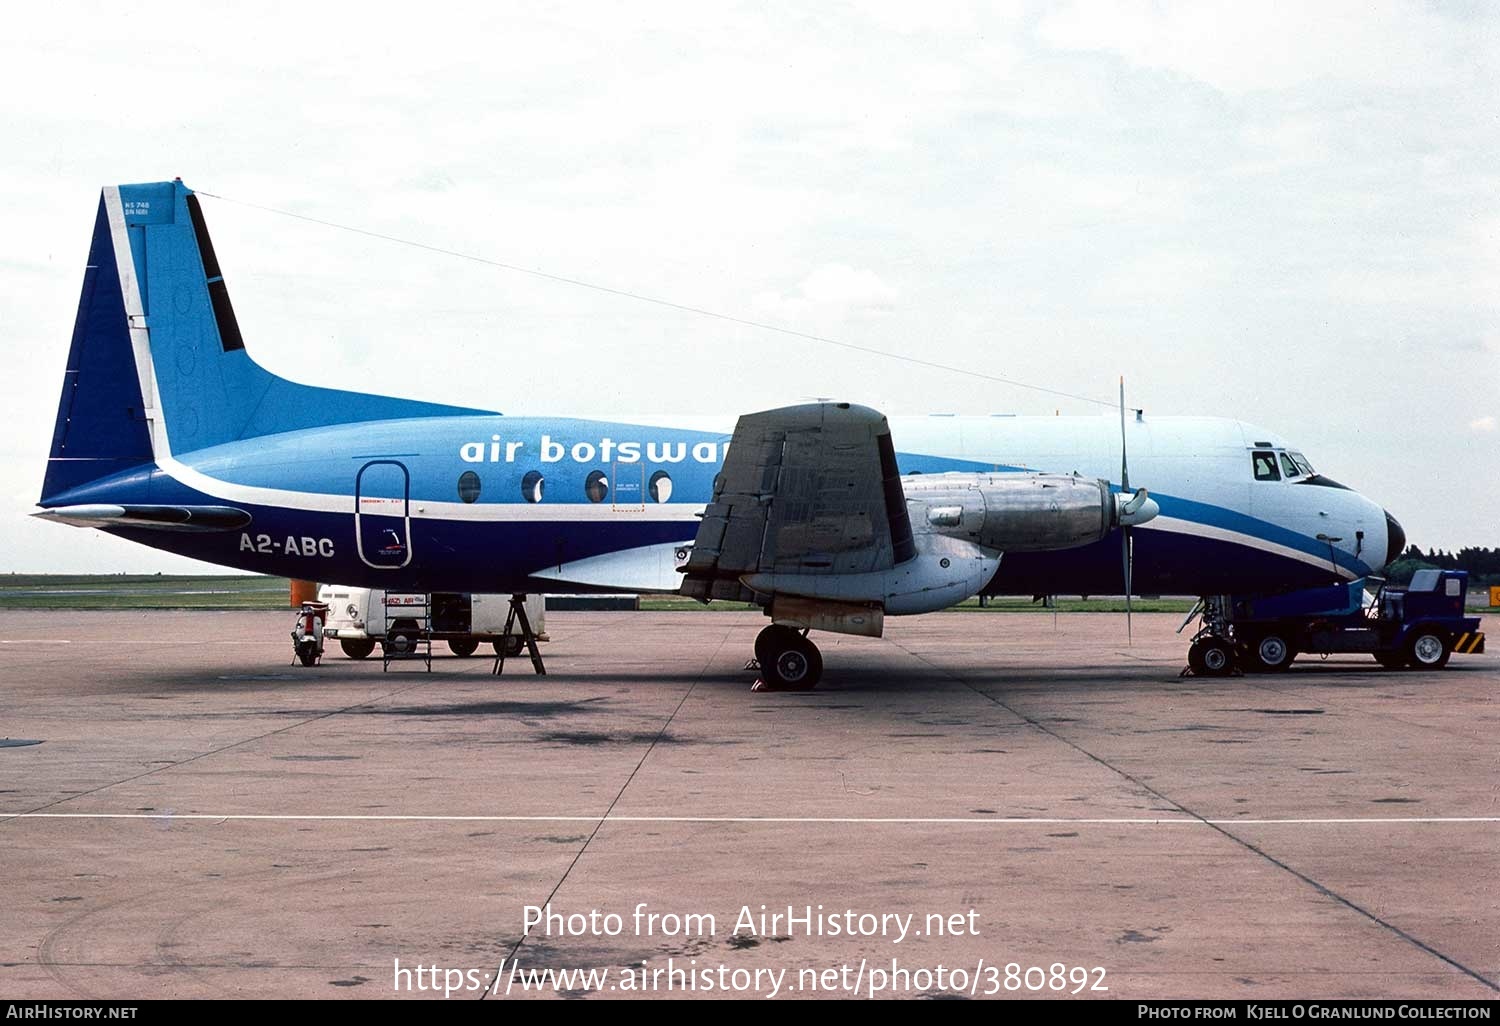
(805, 490)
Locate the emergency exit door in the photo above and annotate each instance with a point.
(382, 514)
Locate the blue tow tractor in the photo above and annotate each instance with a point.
(1416, 627)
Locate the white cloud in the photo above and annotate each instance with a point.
(831, 291)
(1240, 48)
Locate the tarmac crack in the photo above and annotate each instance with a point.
(660, 734)
(1248, 845)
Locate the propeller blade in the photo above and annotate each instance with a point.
(1138, 509)
(1124, 464)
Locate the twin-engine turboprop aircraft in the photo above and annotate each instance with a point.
(827, 515)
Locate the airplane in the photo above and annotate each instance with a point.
(827, 515)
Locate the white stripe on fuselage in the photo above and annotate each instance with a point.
(580, 512)
(1176, 525)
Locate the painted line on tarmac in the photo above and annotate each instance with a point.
(790, 820)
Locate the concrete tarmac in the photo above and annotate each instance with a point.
(203, 818)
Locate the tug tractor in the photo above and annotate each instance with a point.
(1417, 627)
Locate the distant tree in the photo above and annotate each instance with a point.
(1483, 564)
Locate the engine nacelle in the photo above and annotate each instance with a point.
(944, 572)
(961, 526)
(1021, 512)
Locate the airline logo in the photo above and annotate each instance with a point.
(605, 450)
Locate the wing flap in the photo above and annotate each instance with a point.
(804, 490)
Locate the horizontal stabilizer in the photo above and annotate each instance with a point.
(158, 518)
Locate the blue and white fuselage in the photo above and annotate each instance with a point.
(506, 503)
(164, 410)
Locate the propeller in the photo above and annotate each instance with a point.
(1137, 509)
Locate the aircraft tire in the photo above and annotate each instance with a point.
(357, 648)
(769, 638)
(792, 664)
(463, 647)
(1428, 649)
(1211, 657)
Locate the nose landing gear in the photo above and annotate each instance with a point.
(1211, 657)
(1213, 651)
(788, 660)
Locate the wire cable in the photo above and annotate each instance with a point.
(657, 301)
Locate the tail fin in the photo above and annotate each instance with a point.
(102, 424)
(157, 363)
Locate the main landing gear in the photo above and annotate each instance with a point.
(788, 660)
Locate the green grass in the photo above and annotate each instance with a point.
(231, 591)
(660, 603)
(141, 591)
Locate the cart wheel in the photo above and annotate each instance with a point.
(402, 642)
(1428, 649)
(511, 645)
(357, 648)
(463, 647)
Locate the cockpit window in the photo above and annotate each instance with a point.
(1302, 464)
(1265, 466)
(1288, 468)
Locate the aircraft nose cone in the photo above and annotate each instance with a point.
(1395, 539)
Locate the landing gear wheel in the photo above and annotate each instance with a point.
(1211, 657)
(788, 661)
(357, 648)
(510, 645)
(1270, 654)
(770, 639)
(463, 647)
(1428, 650)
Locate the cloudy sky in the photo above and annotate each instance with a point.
(1287, 213)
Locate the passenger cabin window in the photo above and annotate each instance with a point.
(1288, 468)
(596, 486)
(660, 486)
(1265, 466)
